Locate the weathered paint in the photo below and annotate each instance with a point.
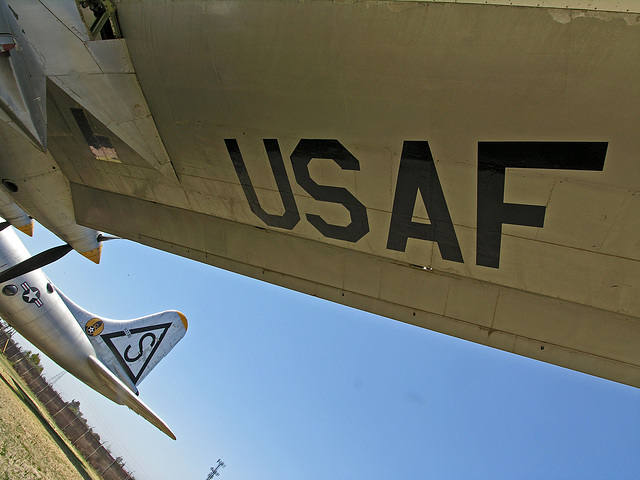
(467, 168)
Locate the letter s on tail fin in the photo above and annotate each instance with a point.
(132, 348)
(126, 351)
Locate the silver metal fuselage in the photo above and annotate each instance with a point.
(38, 313)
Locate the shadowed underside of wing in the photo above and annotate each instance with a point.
(468, 168)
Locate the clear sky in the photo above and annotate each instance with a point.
(284, 386)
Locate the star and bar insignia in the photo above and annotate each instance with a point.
(31, 294)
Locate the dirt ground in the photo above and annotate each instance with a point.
(29, 447)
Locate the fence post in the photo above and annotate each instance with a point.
(72, 420)
(105, 470)
(77, 439)
(97, 448)
(60, 409)
(40, 391)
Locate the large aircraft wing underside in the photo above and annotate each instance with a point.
(467, 167)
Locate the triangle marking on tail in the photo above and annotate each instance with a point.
(135, 348)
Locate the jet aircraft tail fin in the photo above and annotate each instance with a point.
(130, 349)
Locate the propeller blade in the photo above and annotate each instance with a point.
(4, 225)
(35, 262)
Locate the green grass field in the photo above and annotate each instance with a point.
(31, 445)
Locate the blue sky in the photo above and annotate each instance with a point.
(285, 386)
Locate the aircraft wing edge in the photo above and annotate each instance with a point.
(605, 346)
(127, 397)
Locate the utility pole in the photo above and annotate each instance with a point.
(52, 381)
(57, 377)
(214, 473)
